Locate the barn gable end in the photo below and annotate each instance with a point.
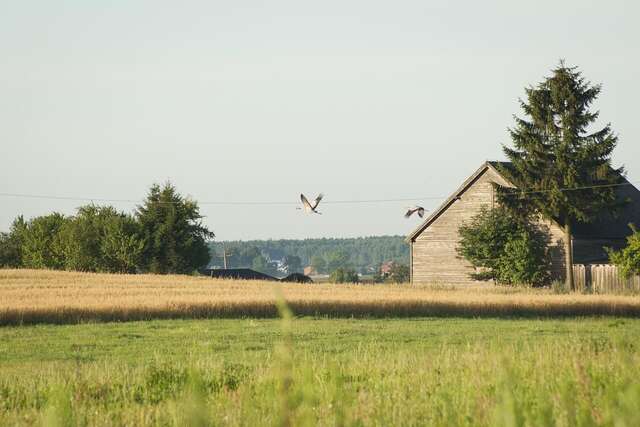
(434, 258)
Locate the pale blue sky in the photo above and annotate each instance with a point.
(258, 101)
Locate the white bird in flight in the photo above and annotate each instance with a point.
(308, 207)
(414, 209)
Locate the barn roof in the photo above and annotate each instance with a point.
(607, 227)
(449, 201)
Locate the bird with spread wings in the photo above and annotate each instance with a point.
(311, 207)
(414, 209)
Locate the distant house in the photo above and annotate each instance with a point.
(276, 259)
(310, 271)
(433, 255)
(385, 267)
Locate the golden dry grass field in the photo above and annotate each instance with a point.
(36, 296)
(495, 357)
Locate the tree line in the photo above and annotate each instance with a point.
(164, 235)
(362, 254)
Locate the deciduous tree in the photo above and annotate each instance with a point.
(99, 238)
(11, 244)
(628, 258)
(318, 263)
(38, 241)
(344, 275)
(505, 248)
(337, 259)
(398, 273)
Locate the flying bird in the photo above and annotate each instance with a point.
(309, 207)
(414, 209)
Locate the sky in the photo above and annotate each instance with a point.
(241, 101)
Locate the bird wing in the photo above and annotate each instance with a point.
(409, 213)
(421, 212)
(317, 201)
(305, 203)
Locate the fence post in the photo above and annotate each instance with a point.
(603, 278)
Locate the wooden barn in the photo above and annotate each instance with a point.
(433, 255)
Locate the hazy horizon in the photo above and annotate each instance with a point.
(242, 102)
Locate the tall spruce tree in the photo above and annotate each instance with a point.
(560, 166)
(175, 240)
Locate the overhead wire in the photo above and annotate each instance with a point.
(515, 192)
(230, 203)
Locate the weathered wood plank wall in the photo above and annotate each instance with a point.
(434, 258)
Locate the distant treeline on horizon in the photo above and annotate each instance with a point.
(364, 254)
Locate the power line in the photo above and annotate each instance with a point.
(229, 203)
(514, 192)
(77, 199)
(517, 192)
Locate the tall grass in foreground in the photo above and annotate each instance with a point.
(30, 297)
(569, 382)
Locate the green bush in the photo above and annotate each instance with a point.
(100, 239)
(504, 248)
(344, 275)
(628, 259)
(399, 273)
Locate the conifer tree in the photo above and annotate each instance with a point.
(175, 240)
(560, 166)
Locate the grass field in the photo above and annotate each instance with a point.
(31, 297)
(323, 371)
(523, 360)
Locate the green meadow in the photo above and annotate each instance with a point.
(320, 371)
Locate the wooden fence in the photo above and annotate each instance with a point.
(603, 278)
